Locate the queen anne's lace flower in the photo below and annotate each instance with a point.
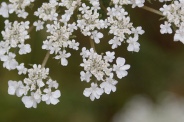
(60, 19)
(99, 66)
(174, 15)
(17, 6)
(120, 26)
(36, 87)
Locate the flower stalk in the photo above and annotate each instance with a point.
(152, 10)
(45, 59)
(92, 44)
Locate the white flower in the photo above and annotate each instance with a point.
(93, 92)
(81, 23)
(85, 53)
(137, 31)
(25, 24)
(168, 108)
(139, 3)
(21, 69)
(109, 85)
(40, 83)
(31, 101)
(24, 48)
(165, 28)
(22, 13)
(179, 36)
(164, 0)
(47, 11)
(9, 62)
(96, 36)
(15, 33)
(38, 24)
(52, 84)
(15, 87)
(63, 55)
(47, 45)
(85, 76)
(133, 44)
(51, 97)
(65, 17)
(120, 67)
(109, 56)
(74, 45)
(83, 8)
(72, 27)
(115, 42)
(4, 9)
(37, 95)
(96, 65)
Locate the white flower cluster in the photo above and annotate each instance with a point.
(134, 3)
(89, 21)
(168, 108)
(17, 6)
(174, 14)
(99, 66)
(36, 87)
(14, 37)
(60, 19)
(60, 31)
(120, 27)
(59, 40)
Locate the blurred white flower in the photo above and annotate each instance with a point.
(169, 108)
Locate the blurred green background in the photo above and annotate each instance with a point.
(158, 67)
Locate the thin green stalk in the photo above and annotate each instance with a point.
(152, 10)
(92, 44)
(45, 59)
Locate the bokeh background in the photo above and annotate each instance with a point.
(158, 67)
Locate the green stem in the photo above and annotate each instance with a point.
(45, 59)
(102, 6)
(152, 10)
(30, 29)
(92, 44)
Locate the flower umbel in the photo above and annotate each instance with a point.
(60, 20)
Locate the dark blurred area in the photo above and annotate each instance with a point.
(157, 68)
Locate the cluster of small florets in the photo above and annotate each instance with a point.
(134, 3)
(120, 27)
(14, 37)
(174, 14)
(36, 87)
(99, 69)
(17, 6)
(55, 18)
